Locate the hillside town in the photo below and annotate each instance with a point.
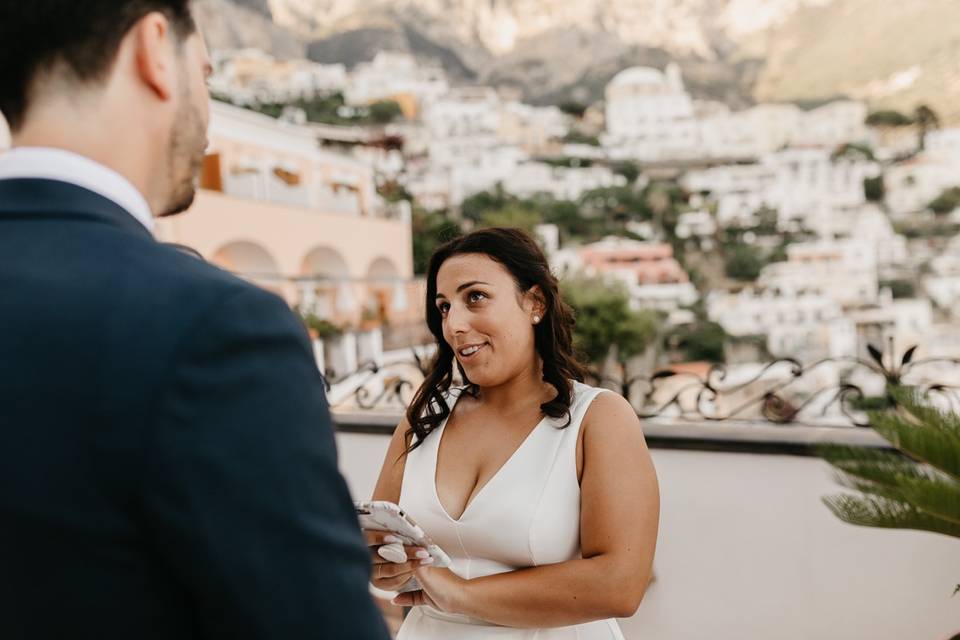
(818, 230)
(713, 385)
(744, 236)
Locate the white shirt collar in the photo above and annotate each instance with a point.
(65, 166)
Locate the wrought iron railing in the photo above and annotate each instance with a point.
(829, 392)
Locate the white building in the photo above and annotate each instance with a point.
(696, 224)
(807, 326)
(775, 125)
(833, 124)
(649, 116)
(391, 75)
(944, 144)
(561, 183)
(812, 187)
(250, 76)
(871, 225)
(463, 112)
(464, 152)
(739, 191)
(292, 171)
(943, 285)
(531, 128)
(844, 271)
(652, 276)
(912, 185)
(806, 186)
(728, 134)
(904, 321)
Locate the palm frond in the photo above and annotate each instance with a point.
(869, 463)
(923, 441)
(870, 511)
(914, 403)
(890, 475)
(933, 497)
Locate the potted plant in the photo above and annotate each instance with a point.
(320, 330)
(370, 337)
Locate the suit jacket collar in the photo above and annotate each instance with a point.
(25, 197)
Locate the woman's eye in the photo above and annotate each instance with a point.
(443, 308)
(476, 296)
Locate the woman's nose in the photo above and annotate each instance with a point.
(457, 320)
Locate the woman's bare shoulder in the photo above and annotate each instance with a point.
(610, 416)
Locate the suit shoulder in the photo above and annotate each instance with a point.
(188, 287)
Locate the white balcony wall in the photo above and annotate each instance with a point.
(747, 550)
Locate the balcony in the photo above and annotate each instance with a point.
(746, 548)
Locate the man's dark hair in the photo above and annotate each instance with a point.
(81, 36)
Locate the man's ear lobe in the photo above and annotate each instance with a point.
(155, 54)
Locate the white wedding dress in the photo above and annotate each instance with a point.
(527, 515)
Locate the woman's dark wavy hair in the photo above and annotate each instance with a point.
(553, 336)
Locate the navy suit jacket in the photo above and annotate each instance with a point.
(167, 464)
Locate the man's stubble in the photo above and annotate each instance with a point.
(185, 153)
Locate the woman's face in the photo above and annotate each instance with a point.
(486, 321)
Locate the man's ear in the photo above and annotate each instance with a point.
(155, 54)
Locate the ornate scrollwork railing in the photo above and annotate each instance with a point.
(374, 386)
(833, 391)
(830, 392)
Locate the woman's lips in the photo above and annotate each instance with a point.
(467, 354)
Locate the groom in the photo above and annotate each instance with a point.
(167, 467)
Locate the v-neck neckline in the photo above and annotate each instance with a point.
(477, 492)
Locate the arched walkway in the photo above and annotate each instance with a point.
(325, 289)
(385, 292)
(251, 261)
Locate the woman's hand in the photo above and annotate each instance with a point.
(390, 576)
(441, 589)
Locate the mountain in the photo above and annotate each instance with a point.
(234, 24)
(549, 49)
(891, 53)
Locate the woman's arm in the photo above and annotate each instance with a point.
(391, 473)
(389, 576)
(620, 511)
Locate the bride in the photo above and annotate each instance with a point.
(540, 488)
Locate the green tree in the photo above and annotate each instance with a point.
(615, 205)
(473, 207)
(946, 202)
(384, 111)
(628, 169)
(853, 151)
(874, 189)
(699, 341)
(916, 487)
(571, 222)
(925, 119)
(899, 288)
(512, 215)
(605, 320)
(577, 137)
(743, 262)
(573, 108)
(767, 220)
(430, 229)
(888, 118)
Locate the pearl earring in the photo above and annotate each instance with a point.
(536, 319)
